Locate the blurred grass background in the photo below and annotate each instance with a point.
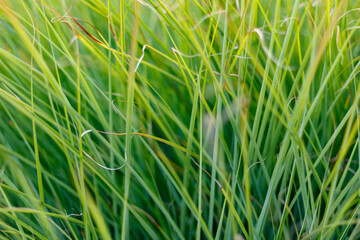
(179, 119)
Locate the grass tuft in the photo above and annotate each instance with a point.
(193, 119)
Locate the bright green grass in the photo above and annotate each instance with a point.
(219, 119)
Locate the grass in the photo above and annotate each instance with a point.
(216, 119)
